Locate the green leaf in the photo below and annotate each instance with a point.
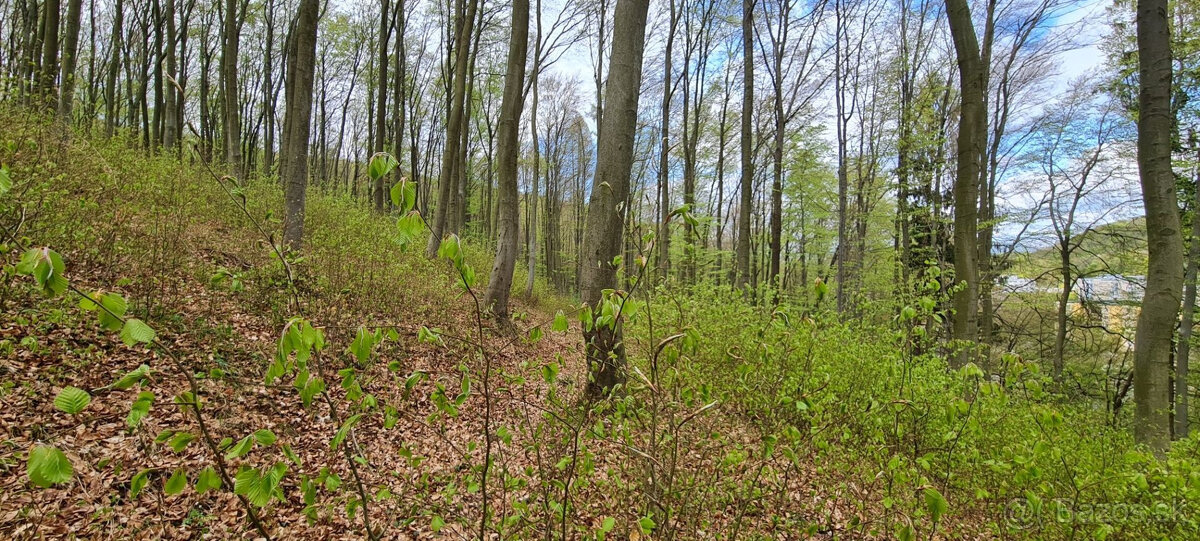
(364, 342)
(450, 249)
(87, 304)
(46, 267)
(381, 164)
(437, 523)
(5, 180)
(208, 480)
(312, 388)
(48, 466)
(139, 409)
(404, 195)
(264, 437)
(409, 227)
(114, 309)
(239, 450)
(72, 400)
(132, 377)
(136, 331)
(138, 483)
(935, 504)
(646, 525)
(560, 322)
(343, 431)
(291, 455)
(549, 372)
(254, 486)
(180, 441)
(176, 483)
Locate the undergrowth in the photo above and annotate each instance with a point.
(359, 387)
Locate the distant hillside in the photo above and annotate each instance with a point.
(1115, 248)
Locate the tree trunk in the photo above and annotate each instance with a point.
(507, 247)
(744, 211)
(1164, 279)
(170, 126)
(450, 152)
(70, 58)
(1064, 296)
(776, 224)
(300, 112)
(532, 228)
(385, 26)
(269, 94)
(231, 127)
(972, 135)
(664, 148)
(604, 234)
(1187, 321)
(114, 69)
(50, 19)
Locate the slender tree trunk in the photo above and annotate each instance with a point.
(664, 150)
(381, 65)
(50, 23)
(114, 69)
(604, 234)
(532, 229)
(1060, 335)
(972, 135)
(776, 224)
(507, 248)
(1187, 321)
(269, 95)
(170, 126)
(747, 180)
(206, 122)
(70, 59)
(231, 121)
(720, 203)
(156, 122)
(398, 92)
(300, 111)
(1164, 279)
(450, 152)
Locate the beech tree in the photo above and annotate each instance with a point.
(747, 174)
(508, 226)
(70, 58)
(604, 233)
(1164, 278)
(299, 111)
(444, 220)
(231, 126)
(972, 136)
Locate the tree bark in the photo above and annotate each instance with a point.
(231, 127)
(507, 246)
(450, 152)
(170, 125)
(70, 59)
(114, 69)
(747, 179)
(972, 135)
(300, 112)
(604, 235)
(1164, 279)
(1187, 320)
(381, 65)
(664, 149)
(50, 20)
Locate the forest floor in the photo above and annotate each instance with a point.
(148, 229)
